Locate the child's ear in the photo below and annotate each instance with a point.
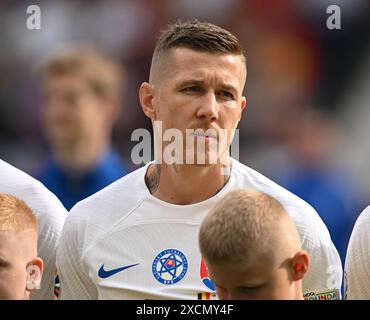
(34, 274)
(300, 264)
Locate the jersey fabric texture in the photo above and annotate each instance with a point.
(50, 215)
(124, 243)
(357, 273)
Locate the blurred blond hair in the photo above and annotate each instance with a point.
(104, 75)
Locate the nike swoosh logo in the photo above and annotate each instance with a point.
(106, 274)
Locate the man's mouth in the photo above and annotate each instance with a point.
(206, 136)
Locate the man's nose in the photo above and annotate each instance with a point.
(208, 108)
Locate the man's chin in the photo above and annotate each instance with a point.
(63, 142)
(208, 160)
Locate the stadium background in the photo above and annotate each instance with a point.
(308, 111)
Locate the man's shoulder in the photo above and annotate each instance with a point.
(364, 217)
(304, 215)
(30, 190)
(247, 177)
(14, 178)
(118, 197)
(362, 225)
(96, 215)
(49, 211)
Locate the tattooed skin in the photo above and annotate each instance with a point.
(152, 179)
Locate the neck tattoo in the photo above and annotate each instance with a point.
(152, 179)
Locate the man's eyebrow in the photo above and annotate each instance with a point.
(190, 82)
(201, 82)
(229, 87)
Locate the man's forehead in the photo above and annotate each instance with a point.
(180, 55)
(205, 76)
(199, 66)
(188, 61)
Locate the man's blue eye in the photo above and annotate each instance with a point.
(227, 94)
(193, 89)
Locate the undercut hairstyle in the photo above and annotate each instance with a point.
(103, 75)
(15, 215)
(198, 36)
(243, 226)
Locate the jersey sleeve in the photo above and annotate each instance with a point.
(74, 280)
(324, 278)
(50, 228)
(357, 273)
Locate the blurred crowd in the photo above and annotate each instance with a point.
(307, 116)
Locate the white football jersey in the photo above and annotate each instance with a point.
(124, 243)
(50, 215)
(357, 273)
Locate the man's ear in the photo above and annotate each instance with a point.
(34, 274)
(299, 264)
(146, 96)
(242, 107)
(244, 103)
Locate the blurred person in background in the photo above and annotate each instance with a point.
(308, 139)
(20, 267)
(82, 92)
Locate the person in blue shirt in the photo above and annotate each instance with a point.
(308, 168)
(81, 96)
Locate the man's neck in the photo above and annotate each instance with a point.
(186, 184)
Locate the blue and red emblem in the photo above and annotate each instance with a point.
(205, 276)
(170, 266)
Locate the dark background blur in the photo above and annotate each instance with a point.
(308, 111)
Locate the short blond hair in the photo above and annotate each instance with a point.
(15, 215)
(244, 225)
(199, 36)
(104, 75)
